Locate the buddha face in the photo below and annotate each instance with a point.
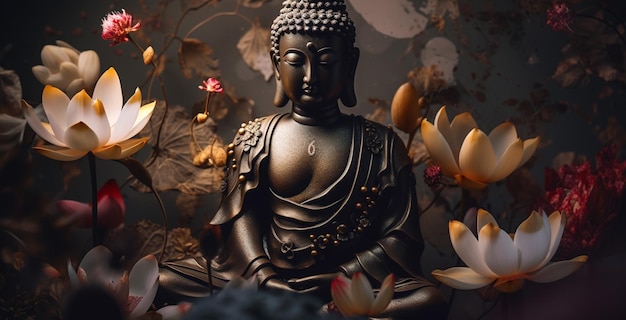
(313, 69)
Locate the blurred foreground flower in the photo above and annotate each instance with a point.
(507, 259)
(471, 157)
(84, 124)
(356, 298)
(68, 69)
(111, 208)
(135, 291)
(117, 25)
(590, 199)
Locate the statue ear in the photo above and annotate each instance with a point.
(348, 96)
(280, 98)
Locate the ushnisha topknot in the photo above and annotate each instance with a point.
(311, 16)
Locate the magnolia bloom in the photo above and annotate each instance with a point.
(467, 154)
(111, 208)
(67, 68)
(117, 25)
(84, 124)
(508, 259)
(135, 290)
(211, 85)
(356, 297)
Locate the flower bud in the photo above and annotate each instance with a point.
(148, 54)
(406, 107)
(202, 117)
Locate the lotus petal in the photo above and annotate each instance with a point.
(499, 251)
(557, 225)
(127, 119)
(462, 278)
(340, 292)
(80, 137)
(460, 127)
(530, 145)
(362, 293)
(44, 130)
(89, 67)
(60, 153)
(467, 248)
(532, 238)
(108, 90)
(557, 270)
(145, 112)
(509, 160)
(384, 296)
(120, 150)
(502, 137)
(476, 158)
(439, 149)
(144, 282)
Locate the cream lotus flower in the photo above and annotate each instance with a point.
(356, 297)
(135, 290)
(85, 124)
(467, 154)
(508, 260)
(67, 68)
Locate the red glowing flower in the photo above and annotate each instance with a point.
(590, 200)
(117, 25)
(560, 17)
(211, 85)
(432, 176)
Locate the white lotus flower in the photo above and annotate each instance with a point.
(473, 158)
(84, 124)
(356, 297)
(508, 259)
(67, 68)
(135, 290)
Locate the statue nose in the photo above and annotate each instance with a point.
(310, 75)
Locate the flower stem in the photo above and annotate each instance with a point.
(164, 215)
(94, 199)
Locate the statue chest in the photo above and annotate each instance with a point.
(306, 160)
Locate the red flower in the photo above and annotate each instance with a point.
(116, 26)
(111, 208)
(560, 17)
(432, 176)
(590, 200)
(211, 85)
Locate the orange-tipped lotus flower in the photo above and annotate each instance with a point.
(505, 260)
(405, 108)
(473, 158)
(356, 297)
(100, 124)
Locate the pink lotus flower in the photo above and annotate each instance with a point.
(111, 208)
(211, 85)
(135, 290)
(356, 297)
(117, 25)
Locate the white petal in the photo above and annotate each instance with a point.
(442, 124)
(142, 119)
(75, 86)
(109, 90)
(502, 137)
(509, 160)
(69, 72)
(362, 293)
(41, 73)
(60, 153)
(89, 67)
(501, 254)
(462, 278)
(71, 273)
(484, 218)
(42, 129)
(467, 248)
(127, 118)
(80, 137)
(52, 57)
(144, 282)
(476, 158)
(532, 238)
(557, 270)
(55, 104)
(557, 225)
(530, 145)
(95, 264)
(384, 296)
(438, 149)
(340, 290)
(460, 127)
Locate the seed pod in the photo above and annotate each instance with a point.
(148, 54)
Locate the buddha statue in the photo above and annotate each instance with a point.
(313, 193)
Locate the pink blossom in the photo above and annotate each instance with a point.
(432, 176)
(111, 208)
(116, 26)
(211, 85)
(590, 199)
(560, 17)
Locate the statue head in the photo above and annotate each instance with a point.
(318, 36)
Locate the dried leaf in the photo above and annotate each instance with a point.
(195, 58)
(254, 47)
(427, 80)
(170, 163)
